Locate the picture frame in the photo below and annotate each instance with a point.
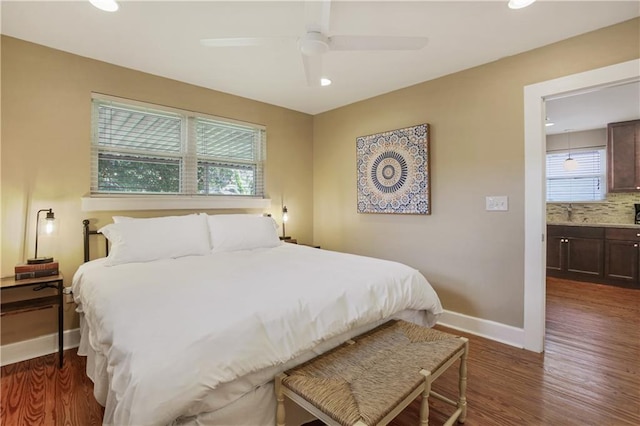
(393, 174)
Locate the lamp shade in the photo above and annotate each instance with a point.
(570, 164)
(285, 219)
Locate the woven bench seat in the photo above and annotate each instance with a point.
(370, 379)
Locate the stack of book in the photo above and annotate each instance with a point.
(36, 270)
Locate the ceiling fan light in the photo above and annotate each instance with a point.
(519, 4)
(313, 44)
(106, 5)
(324, 81)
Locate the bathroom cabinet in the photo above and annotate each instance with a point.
(623, 156)
(599, 254)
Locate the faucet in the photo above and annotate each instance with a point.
(569, 212)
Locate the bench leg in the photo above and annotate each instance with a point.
(424, 404)
(280, 399)
(462, 401)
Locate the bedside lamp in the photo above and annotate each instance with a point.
(285, 219)
(48, 228)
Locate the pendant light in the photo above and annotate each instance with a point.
(570, 164)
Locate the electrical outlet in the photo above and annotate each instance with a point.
(497, 203)
(68, 295)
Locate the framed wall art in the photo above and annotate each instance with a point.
(393, 171)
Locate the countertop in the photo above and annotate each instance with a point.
(597, 225)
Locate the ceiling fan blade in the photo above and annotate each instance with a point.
(312, 69)
(242, 41)
(376, 43)
(317, 14)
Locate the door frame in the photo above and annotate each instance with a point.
(535, 220)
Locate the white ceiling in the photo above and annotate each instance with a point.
(594, 109)
(162, 38)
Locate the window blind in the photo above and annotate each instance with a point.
(138, 148)
(585, 183)
(230, 158)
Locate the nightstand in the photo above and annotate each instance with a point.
(295, 241)
(26, 305)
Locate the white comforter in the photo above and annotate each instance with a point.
(173, 330)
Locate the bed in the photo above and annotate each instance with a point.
(189, 318)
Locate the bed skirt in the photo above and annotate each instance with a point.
(247, 401)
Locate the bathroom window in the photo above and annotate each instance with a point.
(587, 182)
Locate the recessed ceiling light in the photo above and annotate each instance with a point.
(325, 81)
(106, 5)
(519, 4)
(548, 122)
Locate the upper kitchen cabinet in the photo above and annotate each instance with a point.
(623, 154)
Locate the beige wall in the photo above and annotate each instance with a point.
(584, 139)
(474, 258)
(46, 118)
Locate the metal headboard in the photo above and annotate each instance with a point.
(87, 233)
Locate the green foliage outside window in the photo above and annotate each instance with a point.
(229, 180)
(145, 175)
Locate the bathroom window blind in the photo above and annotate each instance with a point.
(586, 183)
(148, 149)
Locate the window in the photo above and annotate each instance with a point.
(585, 183)
(149, 149)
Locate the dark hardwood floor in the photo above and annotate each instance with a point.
(588, 375)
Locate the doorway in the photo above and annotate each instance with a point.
(535, 195)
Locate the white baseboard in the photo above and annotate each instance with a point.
(40, 346)
(499, 332)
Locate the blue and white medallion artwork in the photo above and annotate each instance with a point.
(393, 171)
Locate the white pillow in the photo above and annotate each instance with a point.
(230, 232)
(145, 240)
(120, 219)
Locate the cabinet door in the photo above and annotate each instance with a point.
(585, 256)
(622, 260)
(623, 156)
(554, 254)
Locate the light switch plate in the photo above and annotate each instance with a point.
(497, 203)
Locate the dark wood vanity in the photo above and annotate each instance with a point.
(599, 254)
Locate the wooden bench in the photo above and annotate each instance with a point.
(369, 380)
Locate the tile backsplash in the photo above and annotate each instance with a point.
(618, 209)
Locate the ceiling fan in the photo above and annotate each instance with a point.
(317, 41)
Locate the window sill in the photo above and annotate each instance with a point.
(118, 203)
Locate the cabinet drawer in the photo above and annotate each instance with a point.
(556, 230)
(622, 234)
(575, 231)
